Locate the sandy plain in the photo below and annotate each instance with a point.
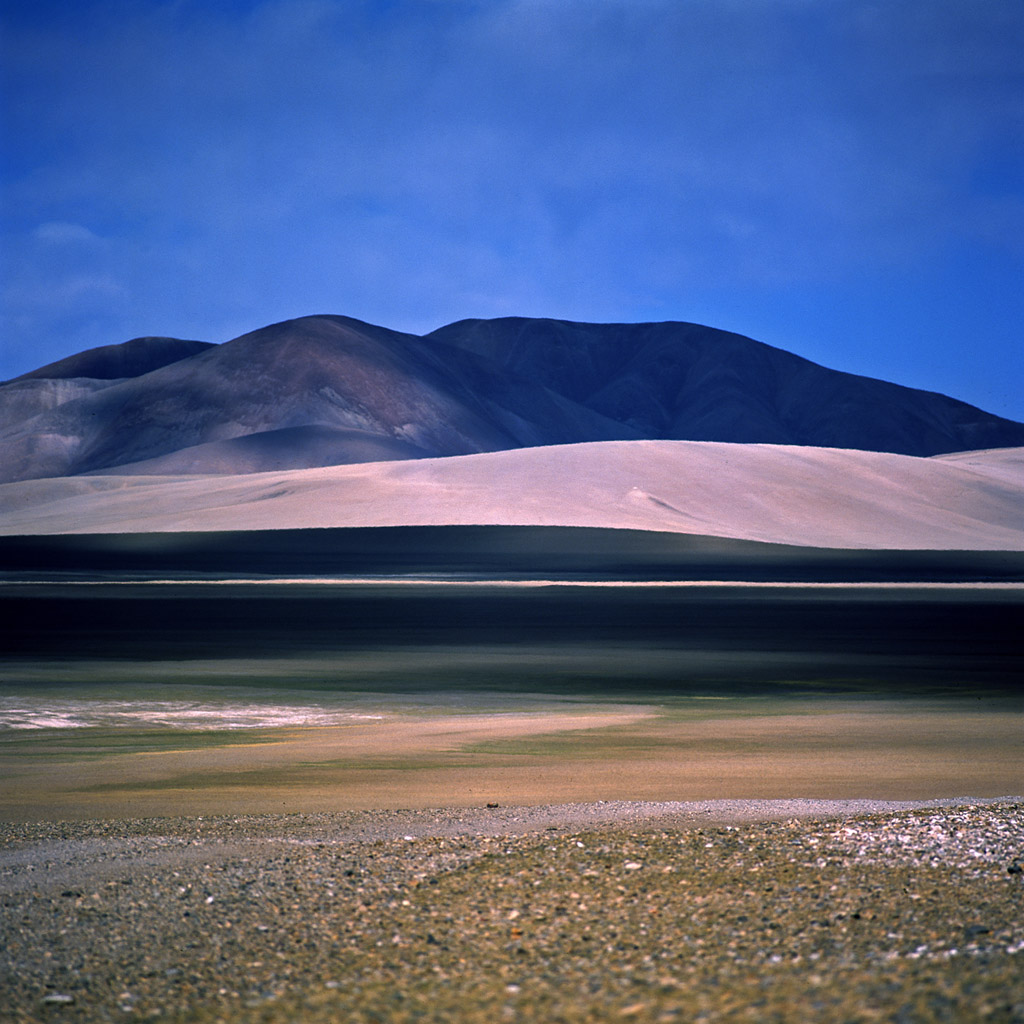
(515, 694)
(745, 748)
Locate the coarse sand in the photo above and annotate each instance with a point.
(756, 911)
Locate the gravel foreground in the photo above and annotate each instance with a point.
(727, 910)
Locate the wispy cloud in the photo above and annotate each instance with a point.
(60, 232)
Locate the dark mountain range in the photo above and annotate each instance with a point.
(326, 390)
(679, 381)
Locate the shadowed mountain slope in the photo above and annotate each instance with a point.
(330, 390)
(687, 382)
(271, 450)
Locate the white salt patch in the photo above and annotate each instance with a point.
(28, 713)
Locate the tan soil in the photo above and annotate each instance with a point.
(820, 749)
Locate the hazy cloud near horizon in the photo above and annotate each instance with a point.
(841, 179)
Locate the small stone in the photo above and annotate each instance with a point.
(58, 999)
(632, 1010)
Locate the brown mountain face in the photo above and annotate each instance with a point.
(373, 390)
(329, 390)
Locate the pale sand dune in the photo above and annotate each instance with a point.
(1000, 463)
(772, 493)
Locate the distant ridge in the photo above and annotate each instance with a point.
(112, 362)
(331, 390)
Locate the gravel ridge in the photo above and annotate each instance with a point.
(717, 910)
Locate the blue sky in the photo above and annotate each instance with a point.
(840, 178)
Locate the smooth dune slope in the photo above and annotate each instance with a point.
(770, 493)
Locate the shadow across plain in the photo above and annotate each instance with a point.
(558, 638)
(492, 552)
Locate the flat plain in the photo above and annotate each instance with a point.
(465, 694)
(564, 802)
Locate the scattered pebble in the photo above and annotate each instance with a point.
(58, 999)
